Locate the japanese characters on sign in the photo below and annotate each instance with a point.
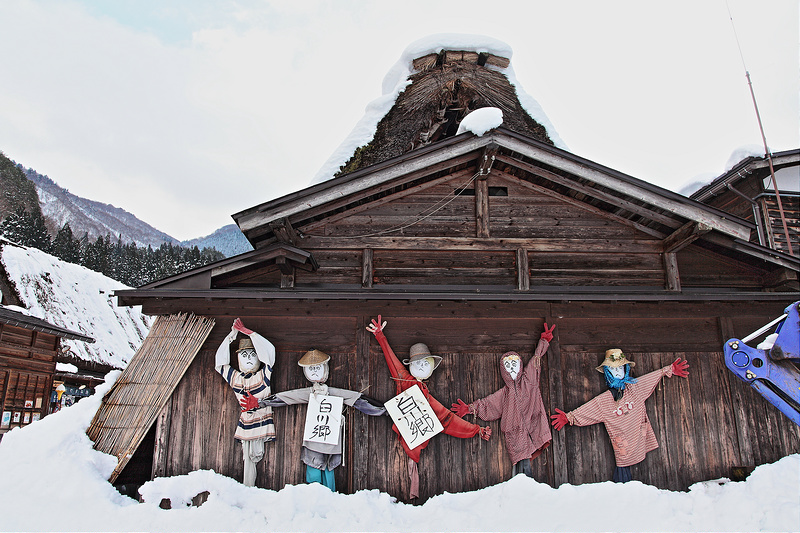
(323, 419)
(413, 416)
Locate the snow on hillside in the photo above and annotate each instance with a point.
(396, 80)
(52, 464)
(78, 299)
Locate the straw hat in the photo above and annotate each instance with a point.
(420, 351)
(245, 344)
(314, 357)
(614, 358)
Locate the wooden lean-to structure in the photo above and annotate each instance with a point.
(469, 244)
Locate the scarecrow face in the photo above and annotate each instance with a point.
(511, 365)
(422, 368)
(617, 372)
(316, 373)
(248, 361)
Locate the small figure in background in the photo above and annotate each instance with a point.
(622, 410)
(251, 379)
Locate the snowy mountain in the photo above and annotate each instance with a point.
(76, 298)
(88, 216)
(228, 240)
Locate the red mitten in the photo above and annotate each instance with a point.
(680, 368)
(559, 420)
(460, 408)
(485, 433)
(238, 326)
(547, 334)
(249, 402)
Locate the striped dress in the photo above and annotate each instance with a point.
(626, 420)
(256, 424)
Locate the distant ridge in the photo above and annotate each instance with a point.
(228, 240)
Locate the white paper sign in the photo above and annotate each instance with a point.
(323, 419)
(413, 416)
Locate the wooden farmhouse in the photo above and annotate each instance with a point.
(29, 350)
(469, 244)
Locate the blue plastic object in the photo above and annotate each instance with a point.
(772, 372)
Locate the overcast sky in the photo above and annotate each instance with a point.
(184, 112)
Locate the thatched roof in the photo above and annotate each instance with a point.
(444, 89)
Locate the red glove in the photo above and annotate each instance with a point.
(485, 433)
(460, 408)
(249, 402)
(559, 420)
(376, 326)
(547, 334)
(238, 326)
(680, 368)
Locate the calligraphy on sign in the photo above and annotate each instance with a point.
(413, 416)
(323, 419)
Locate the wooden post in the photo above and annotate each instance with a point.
(482, 208)
(366, 268)
(287, 280)
(673, 277)
(162, 440)
(523, 270)
(556, 386)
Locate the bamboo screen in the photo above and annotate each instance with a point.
(133, 403)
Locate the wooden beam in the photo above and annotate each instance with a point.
(284, 265)
(283, 231)
(366, 268)
(482, 208)
(684, 236)
(287, 280)
(523, 270)
(487, 159)
(779, 277)
(672, 276)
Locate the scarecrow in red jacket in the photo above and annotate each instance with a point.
(421, 365)
(621, 409)
(519, 407)
(256, 356)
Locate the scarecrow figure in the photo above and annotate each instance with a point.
(252, 378)
(621, 409)
(320, 458)
(420, 367)
(519, 407)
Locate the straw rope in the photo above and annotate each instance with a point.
(133, 403)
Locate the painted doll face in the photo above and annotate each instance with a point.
(511, 365)
(248, 361)
(422, 368)
(617, 372)
(316, 373)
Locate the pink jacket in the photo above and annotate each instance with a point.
(520, 409)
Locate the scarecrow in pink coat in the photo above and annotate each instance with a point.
(518, 405)
(621, 409)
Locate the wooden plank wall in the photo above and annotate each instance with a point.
(705, 425)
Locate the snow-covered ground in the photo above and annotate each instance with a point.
(53, 480)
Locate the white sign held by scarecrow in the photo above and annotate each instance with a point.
(413, 416)
(323, 419)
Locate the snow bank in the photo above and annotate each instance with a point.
(53, 480)
(76, 298)
(396, 80)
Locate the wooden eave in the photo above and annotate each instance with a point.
(279, 255)
(651, 209)
(15, 318)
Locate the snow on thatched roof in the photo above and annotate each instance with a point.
(435, 83)
(78, 299)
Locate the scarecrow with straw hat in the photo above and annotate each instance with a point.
(421, 364)
(621, 409)
(251, 379)
(320, 455)
(518, 405)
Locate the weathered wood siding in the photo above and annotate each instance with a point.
(705, 425)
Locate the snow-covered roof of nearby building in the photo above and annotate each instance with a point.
(78, 299)
(396, 80)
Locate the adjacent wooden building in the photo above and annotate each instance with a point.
(469, 244)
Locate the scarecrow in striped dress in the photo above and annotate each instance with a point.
(255, 427)
(420, 367)
(519, 407)
(621, 409)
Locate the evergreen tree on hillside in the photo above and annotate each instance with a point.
(65, 246)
